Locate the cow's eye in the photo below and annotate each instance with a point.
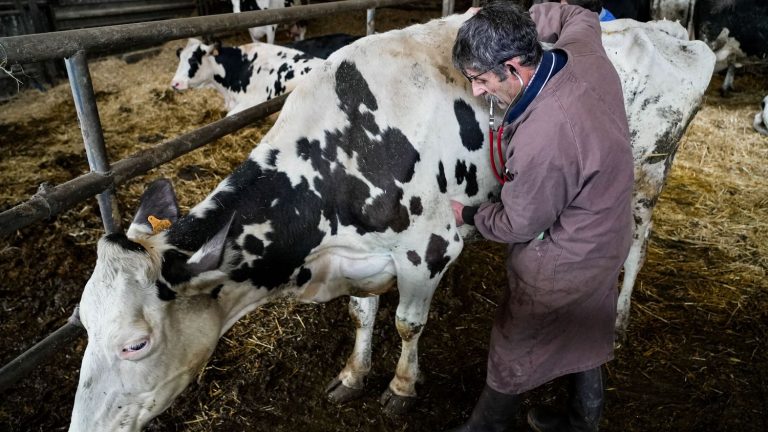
(135, 349)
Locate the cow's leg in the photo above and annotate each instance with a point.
(728, 87)
(632, 266)
(271, 29)
(348, 385)
(416, 284)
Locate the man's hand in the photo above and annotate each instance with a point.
(457, 208)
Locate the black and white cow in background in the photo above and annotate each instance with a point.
(348, 194)
(297, 30)
(323, 46)
(734, 29)
(246, 75)
(761, 118)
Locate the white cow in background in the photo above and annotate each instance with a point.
(245, 76)
(298, 30)
(348, 194)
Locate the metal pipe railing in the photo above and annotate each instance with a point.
(49, 201)
(73, 45)
(93, 136)
(98, 40)
(22, 365)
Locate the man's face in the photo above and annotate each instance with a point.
(489, 85)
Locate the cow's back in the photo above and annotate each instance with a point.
(401, 87)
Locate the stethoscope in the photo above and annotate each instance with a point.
(499, 173)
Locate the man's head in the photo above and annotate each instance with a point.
(498, 42)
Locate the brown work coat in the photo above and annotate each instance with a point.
(570, 160)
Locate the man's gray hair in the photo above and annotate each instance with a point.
(498, 32)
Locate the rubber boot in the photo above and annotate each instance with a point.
(494, 412)
(585, 406)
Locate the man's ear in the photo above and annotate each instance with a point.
(513, 63)
(158, 209)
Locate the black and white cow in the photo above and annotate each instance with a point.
(348, 194)
(734, 29)
(246, 75)
(297, 30)
(761, 118)
(323, 46)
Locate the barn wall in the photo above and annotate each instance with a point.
(20, 17)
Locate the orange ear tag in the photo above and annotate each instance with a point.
(158, 225)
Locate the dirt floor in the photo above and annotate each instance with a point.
(695, 357)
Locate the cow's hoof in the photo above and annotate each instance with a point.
(339, 393)
(395, 405)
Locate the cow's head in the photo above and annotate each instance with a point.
(196, 65)
(149, 331)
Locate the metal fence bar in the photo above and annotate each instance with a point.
(46, 46)
(448, 6)
(93, 136)
(22, 365)
(49, 201)
(370, 22)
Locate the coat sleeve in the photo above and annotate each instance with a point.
(566, 24)
(546, 176)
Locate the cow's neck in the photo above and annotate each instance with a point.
(233, 71)
(275, 227)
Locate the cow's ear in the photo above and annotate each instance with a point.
(158, 205)
(209, 256)
(216, 48)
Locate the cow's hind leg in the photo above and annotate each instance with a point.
(348, 385)
(416, 284)
(632, 266)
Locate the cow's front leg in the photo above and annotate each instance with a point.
(348, 385)
(411, 316)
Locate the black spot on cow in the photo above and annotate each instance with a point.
(384, 157)
(442, 182)
(253, 245)
(237, 69)
(216, 291)
(414, 257)
(194, 61)
(249, 5)
(272, 158)
(649, 101)
(469, 128)
(302, 57)
(175, 270)
(666, 145)
(456, 237)
(124, 242)
(164, 293)
(251, 191)
(435, 257)
(284, 74)
(304, 276)
(415, 206)
(470, 175)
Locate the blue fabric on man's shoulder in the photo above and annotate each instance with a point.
(606, 15)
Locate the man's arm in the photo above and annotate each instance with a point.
(562, 22)
(546, 174)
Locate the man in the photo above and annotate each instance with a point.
(564, 208)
